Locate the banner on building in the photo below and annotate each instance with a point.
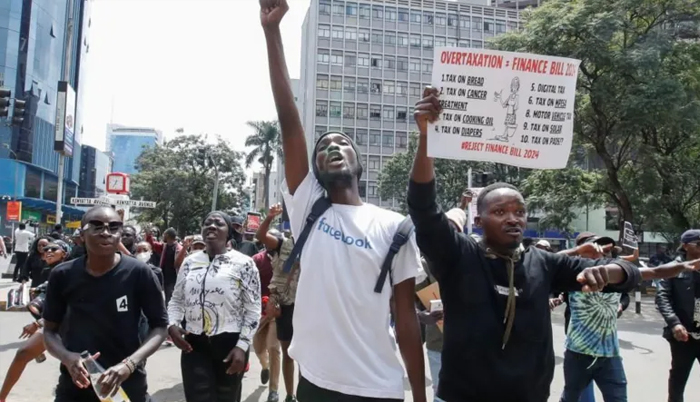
(65, 119)
(505, 107)
(14, 211)
(32, 216)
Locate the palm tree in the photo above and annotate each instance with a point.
(268, 144)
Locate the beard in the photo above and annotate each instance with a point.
(343, 178)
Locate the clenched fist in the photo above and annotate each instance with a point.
(272, 11)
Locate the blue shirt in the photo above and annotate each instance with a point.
(593, 326)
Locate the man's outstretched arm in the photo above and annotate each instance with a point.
(296, 164)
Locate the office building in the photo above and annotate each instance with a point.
(127, 143)
(364, 65)
(32, 61)
(94, 167)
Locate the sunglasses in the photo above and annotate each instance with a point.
(52, 249)
(99, 226)
(142, 250)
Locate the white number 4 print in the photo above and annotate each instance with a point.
(122, 304)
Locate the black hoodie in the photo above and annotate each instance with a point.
(476, 365)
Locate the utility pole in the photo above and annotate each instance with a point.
(470, 218)
(66, 77)
(216, 184)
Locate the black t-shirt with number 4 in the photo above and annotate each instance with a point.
(101, 314)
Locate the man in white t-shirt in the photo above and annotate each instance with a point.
(22, 242)
(342, 339)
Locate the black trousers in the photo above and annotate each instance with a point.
(21, 259)
(683, 357)
(204, 375)
(308, 392)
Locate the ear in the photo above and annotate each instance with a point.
(477, 221)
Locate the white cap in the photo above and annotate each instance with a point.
(543, 243)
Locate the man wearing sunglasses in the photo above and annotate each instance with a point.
(105, 293)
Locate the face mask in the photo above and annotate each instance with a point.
(143, 257)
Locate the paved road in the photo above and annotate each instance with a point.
(646, 355)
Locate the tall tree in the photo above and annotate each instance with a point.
(179, 177)
(638, 99)
(267, 145)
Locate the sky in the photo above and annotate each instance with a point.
(200, 65)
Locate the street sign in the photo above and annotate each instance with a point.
(115, 202)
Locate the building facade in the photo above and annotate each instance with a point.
(33, 59)
(127, 143)
(364, 65)
(94, 167)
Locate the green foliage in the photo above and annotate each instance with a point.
(267, 144)
(637, 116)
(179, 177)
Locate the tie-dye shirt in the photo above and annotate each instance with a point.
(593, 325)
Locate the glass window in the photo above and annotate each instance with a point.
(390, 14)
(50, 188)
(389, 87)
(361, 136)
(402, 88)
(375, 87)
(376, 61)
(488, 26)
(351, 9)
(414, 65)
(32, 184)
(375, 136)
(323, 57)
(362, 85)
(338, 33)
(324, 31)
(402, 64)
(362, 114)
(500, 27)
(415, 40)
(378, 12)
(349, 84)
(388, 114)
(324, 8)
(440, 41)
(337, 58)
(372, 189)
(427, 66)
(440, 20)
(403, 15)
(464, 22)
(338, 8)
(349, 111)
(451, 42)
(477, 44)
(389, 63)
(350, 132)
(416, 17)
(377, 37)
(375, 113)
(321, 108)
(463, 43)
(388, 137)
(335, 109)
(428, 42)
(363, 35)
(319, 131)
(390, 39)
(428, 18)
(350, 59)
(402, 39)
(373, 163)
(452, 20)
(365, 11)
(512, 26)
(336, 83)
(350, 33)
(401, 140)
(477, 24)
(414, 89)
(322, 82)
(401, 113)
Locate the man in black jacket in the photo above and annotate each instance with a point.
(495, 293)
(678, 301)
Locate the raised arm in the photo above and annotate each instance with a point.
(670, 270)
(271, 242)
(296, 159)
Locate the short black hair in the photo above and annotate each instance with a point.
(486, 190)
(170, 232)
(22, 226)
(130, 227)
(91, 211)
(58, 227)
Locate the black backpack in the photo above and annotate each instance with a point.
(403, 233)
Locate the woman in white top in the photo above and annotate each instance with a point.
(217, 294)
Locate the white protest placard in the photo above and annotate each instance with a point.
(505, 107)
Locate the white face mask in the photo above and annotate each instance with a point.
(143, 257)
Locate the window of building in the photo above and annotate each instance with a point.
(378, 12)
(428, 42)
(376, 61)
(323, 57)
(388, 136)
(440, 41)
(390, 39)
(350, 132)
(351, 9)
(440, 20)
(451, 42)
(362, 85)
(319, 131)
(338, 33)
(324, 8)
(350, 59)
(403, 15)
(389, 87)
(335, 109)
(349, 111)
(512, 26)
(401, 113)
(350, 34)
(363, 60)
(32, 184)
(402, 64)
(488, 26)
(415, 40)
(402, 39)
(478, 26)
(337, 58)
(428, 18)
(324, 31)
(414, 89)
(389, 63)
(338, 8)
(401, 140)
(372, 190)
(427, 66)
(50, 188)
(375, 87)
(402, 88)
(416, 17)
(477, 44)
(388, 113)
(390, 14)
(362, 113)
(363, 35)
(414, 65)
(361, 136)
(373, 163)
(377, 37)
(349, 85)
(336, 83)
(322, 81)
(365, 11)
(500, 27)
(452, 20)
(321, 108)
(374, 137)
(464, 22)
(375, 113)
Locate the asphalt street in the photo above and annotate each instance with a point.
(646, 357)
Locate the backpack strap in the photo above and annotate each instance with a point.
(403, 233)
(320, 206)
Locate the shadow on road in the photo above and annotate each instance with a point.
(255, 396)
(172, 394)
(630, 346)
(10, 346)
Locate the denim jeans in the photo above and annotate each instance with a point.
(607, 372)
(435, 362)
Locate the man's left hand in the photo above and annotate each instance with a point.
(593, 279)
(110, 381)
(236, 358)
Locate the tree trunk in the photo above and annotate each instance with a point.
(268, 167)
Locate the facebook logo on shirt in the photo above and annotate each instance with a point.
(339, 235)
